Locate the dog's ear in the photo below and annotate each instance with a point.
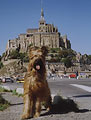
(44, 50)
(29, 51)
(32, 49)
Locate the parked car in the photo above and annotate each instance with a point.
(0, 79)
(64, 76)
(20, 79)
(72, 76)
(7, 79)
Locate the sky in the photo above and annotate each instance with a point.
(71, 17)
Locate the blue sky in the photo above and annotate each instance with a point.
(72, 17)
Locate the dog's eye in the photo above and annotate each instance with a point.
(33, 56)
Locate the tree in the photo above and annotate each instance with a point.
(63, 53)
(14, 54)
(1, 64)
(66, 53)
(0, 57)
(54, 50)
(89, 57)
(67, 62)
(3, 55)
(24, 57)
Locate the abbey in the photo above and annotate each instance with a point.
(45, 35)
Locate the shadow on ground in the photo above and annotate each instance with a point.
(16, 104)
(79, 96)
(63, 106)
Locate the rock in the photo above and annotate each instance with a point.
(6, 87)
(20, 90)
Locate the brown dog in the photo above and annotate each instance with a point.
(36, 88)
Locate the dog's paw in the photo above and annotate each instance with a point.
(25, 116)
(37, 114)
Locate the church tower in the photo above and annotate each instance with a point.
(42, 21)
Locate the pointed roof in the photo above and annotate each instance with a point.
(42, 20)
(42, 15)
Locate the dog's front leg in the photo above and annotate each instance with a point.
(37, 108)
(28, 104)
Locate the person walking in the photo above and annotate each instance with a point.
(77, 74)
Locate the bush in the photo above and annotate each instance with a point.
(66, 53)
(4, 90)
(24, 57)
(14, 54)
(1, 64)
(0, 57)
(54, 50)
(17, 94)
(3, 55)
(89, 57)
(63, 53)
(67, 62)
(3, 103)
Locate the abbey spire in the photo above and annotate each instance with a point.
(42, 13)
(42, 20)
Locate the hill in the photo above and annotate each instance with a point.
(12, 69)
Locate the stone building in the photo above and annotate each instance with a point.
(45, 35)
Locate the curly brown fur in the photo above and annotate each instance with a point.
(36, 88)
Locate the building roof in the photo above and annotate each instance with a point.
(32, 30)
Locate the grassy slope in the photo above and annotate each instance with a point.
(11, 69)
(3, 103)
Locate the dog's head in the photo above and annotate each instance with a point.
(37, 58)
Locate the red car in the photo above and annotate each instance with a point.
(72, 76)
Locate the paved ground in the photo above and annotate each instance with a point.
(84, 102)
(15, 110)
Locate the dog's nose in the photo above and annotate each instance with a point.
(37, 67)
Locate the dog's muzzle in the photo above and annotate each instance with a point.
(38, 64)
